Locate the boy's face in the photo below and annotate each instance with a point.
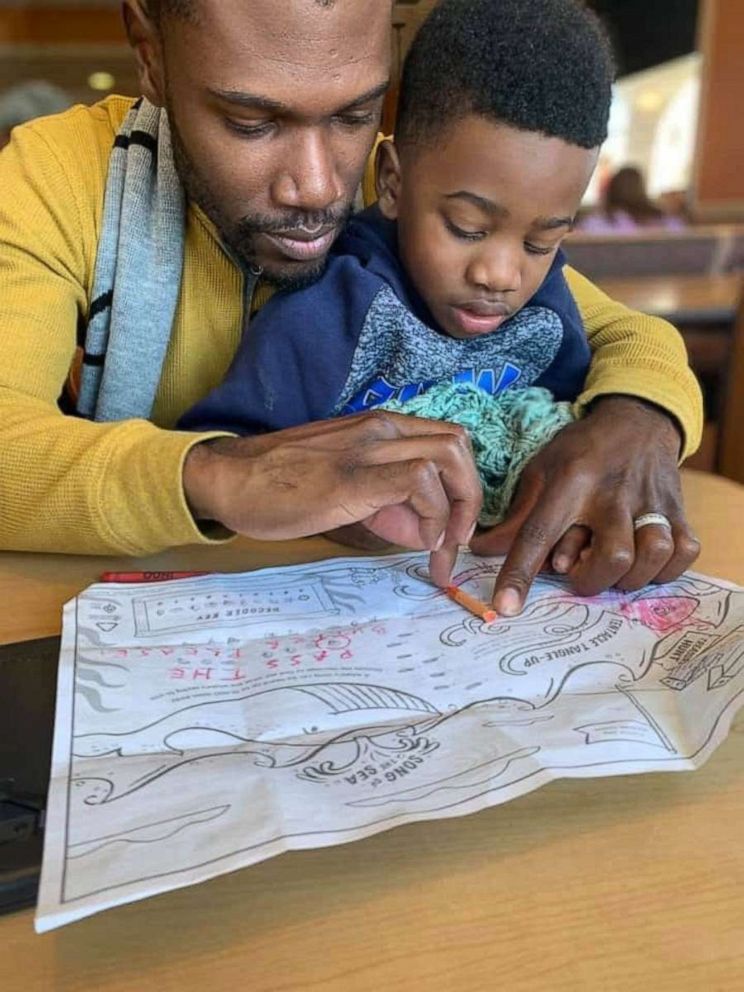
(481, 214)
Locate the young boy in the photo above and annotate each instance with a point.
(455, 275)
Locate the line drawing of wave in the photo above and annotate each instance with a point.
(151, 833)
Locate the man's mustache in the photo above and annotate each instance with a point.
(307, 223)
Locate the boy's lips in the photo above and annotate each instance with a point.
(480, 316)
(303, 246)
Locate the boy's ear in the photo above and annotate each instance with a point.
(388, 178)
(144, 38)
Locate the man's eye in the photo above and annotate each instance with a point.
(250, 130)
(463, 235)
(538, 250)
(356, 120)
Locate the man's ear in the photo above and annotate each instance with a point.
(388, 178)
(144, 38)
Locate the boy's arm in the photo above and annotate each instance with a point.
(637, 355)
(66, 484)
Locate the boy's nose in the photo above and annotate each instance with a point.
(497, 270)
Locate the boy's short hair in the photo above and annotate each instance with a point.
(534, 65)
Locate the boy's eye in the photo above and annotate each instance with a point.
(462, 234)
(538, 250)
(257, 130)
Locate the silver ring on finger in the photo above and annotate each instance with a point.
(650, 519)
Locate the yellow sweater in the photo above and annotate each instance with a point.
(69, 485)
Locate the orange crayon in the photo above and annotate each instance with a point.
(473, 605)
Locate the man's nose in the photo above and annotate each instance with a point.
(308, 180)
(496, 269)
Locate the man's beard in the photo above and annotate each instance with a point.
(240, 236)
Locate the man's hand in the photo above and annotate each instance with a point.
(357, 536)
(577, 501)
(410, 482)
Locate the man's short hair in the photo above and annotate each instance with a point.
(535, 65)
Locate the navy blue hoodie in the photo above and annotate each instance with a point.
(362, 335)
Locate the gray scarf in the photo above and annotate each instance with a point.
(138, 271)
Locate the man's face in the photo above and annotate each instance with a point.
(481, 214)
(274, 107)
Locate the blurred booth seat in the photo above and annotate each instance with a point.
(708, 250)
(731, 441)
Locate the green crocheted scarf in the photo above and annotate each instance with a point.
(505, 430)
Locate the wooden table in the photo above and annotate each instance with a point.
(682, 299)
(632, 884)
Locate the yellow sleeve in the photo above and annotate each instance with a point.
(66, 484)
(637, 355)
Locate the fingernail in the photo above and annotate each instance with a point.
(472, 531)
(440, 541)
(508, 603)
(561, 564)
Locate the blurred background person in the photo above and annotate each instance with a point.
(627, 208)
(676, 203)
(29, 100)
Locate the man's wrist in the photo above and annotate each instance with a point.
(645, 414)
(198, 481)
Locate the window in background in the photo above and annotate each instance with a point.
(653, 126)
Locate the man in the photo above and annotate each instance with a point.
(272, 110)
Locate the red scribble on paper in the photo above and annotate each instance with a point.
(661, 613)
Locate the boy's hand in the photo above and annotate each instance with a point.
(577, 501)
(410, 482)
